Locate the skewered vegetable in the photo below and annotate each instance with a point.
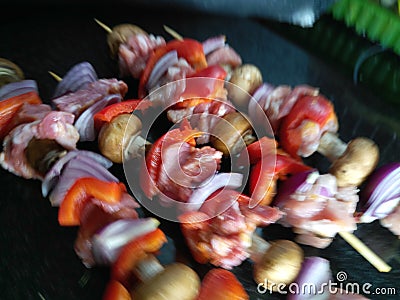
(280, 264)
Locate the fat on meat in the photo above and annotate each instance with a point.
(226, 234)
(54, 126)
(185, 167)
(133, 54)
(77, 102)
(224, 56)
(320, 212)
(204, 116)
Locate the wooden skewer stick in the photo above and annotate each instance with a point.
(55, 76)
(366, 252)
(173, 33)
(104, 26)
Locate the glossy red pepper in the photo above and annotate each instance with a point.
(116, 109)
(265, 173)
(135, 251)
(253, 152)
(317, 109)
(9, 107)
(82, 191)
(116, 291)
(205, 90)
(189, 49)
(152, 163)
(220, 284)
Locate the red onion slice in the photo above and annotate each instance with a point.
(301, 182)
(17, 88)
(315, 272)
(108, 243)
(381, 193)
(52, 176)
(85, 122)
(167, 60)
(213, 43)
(78, 167)
(78, 77)
(220, 180)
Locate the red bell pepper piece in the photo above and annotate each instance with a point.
(205, 91)
(253, 152)
(116, 109)
(153, 162)
(9, 107)
(82, 191)
(116, 291)
(265, 173)
(220, 284)
(135, 251)
(189, 49)
(314, 108)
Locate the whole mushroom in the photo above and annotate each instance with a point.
(232, 133)
(248, 78)
(176, 281)
(280, 263)
(120, 139)
(352, 163)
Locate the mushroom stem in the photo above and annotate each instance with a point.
(331, 146)
(258, 247)
(147, 268)
(136, 147)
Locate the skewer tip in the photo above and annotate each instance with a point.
(104, 26)
(173, 33)
(55, 76)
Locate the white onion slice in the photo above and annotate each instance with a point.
(108, 242)
(220, 180)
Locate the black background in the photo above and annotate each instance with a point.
(36, 254)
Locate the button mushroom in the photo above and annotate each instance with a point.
(352, 162)
(276, 263)
(232, 133)
(119, 34)
(41, 154)
(9, 72)
(245, 80)
(176, 281)
(120, 139)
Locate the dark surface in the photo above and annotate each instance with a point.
(36, 254)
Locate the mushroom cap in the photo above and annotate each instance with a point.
(227, 135)
(120, 34)
(280, 264)
(177, 281)
(356, 163)
(247, 77)
(115, 136)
